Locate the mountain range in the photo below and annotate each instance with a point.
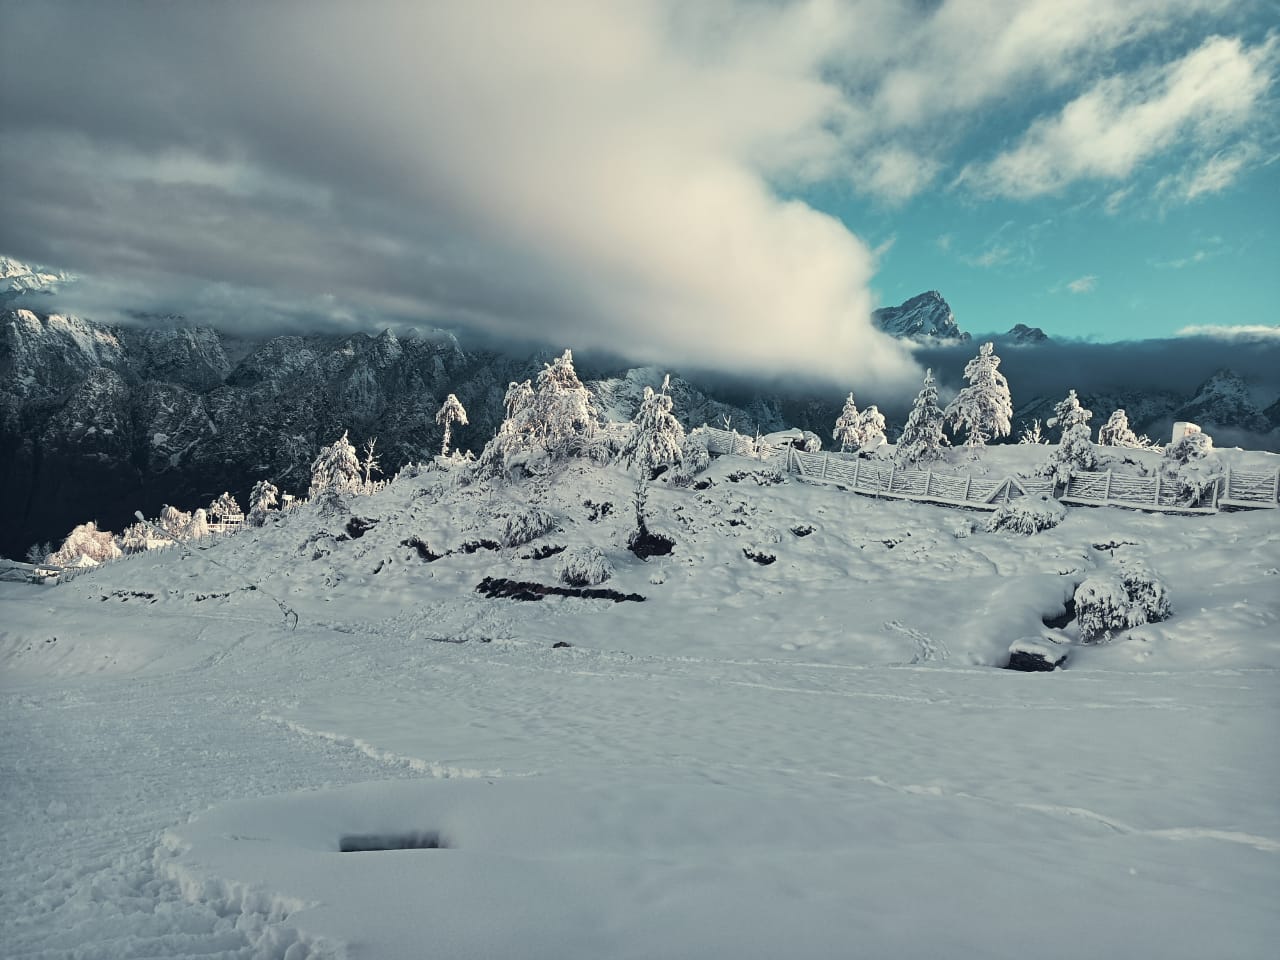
(100, 420)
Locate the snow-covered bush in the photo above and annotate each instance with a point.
(526, 524)
(198, 528)
(1027, 515)
(809, 442)
(922, 438)
(584, 567)
(656, 438)
(1103, 609)
(1033, 433)
(1191, 464)
(174, 522)
(694, 455)
(984, 408)
(85, 545)
(135, 538)
(1106, 605)
(1146, 591)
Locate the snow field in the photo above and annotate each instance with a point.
(807, 758)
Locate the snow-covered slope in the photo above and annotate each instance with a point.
(20, 278)
(797, 741)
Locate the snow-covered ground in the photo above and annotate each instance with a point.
(812, 756)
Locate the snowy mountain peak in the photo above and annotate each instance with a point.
(1224, 399)
(17, 277)
(924, 317)
(1022, 335)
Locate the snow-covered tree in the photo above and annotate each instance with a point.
(223, 507)
(1033, 433)
(922, 438)
(694, 455)
(174, 522)
(262, 498)
(39, 552)
(1191, 464)
(1069, 413)
(85, 545)
(336, 470)
(1075, 448)
(451, 412)
(656, 435)
(984, 408)
(198, 528)
(135, 538)
(870, 429)
(846, 431)
(369, 462)
(562, 412)
(1116, 432)
(554, 419)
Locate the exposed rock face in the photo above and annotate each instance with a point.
(1223, 400)
(1023, 336)
(924, 317)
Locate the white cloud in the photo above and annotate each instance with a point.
(1199, 100)
(895, 173)
(1085, 284)
(1213, 176)
(1233, 332)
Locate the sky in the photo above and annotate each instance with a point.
(733, 184)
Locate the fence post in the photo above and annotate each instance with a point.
(1226, 489)
(968, 482)
(1157, 499)
(857, 465)
(892, 468)
(928, 481)
(1275, 487)
(1106, 491)
(825, 458)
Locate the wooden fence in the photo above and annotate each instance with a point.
(878, 478)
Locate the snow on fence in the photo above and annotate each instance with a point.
(1238, 489)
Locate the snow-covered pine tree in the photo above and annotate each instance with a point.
(1069, 413)
(984, 408)
(562, 412)
(223, 507)
(135, 538)
(198, 528)
(174, 522)
(656, 437)
(922, 438)
(335, 470)
(1116, 432)
(1075, 448)
(870, 429)
(85, 545)
(846, 430)
(262, 498)
(450, 412)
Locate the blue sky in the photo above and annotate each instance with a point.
(730, 183)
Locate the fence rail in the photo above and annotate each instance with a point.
(1235, 489)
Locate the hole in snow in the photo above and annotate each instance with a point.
(370, 842)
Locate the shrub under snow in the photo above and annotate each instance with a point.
(694, 455)
(526, 524)
(1106, 605)
(584, 567)
(1027, 515)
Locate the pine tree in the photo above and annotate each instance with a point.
(846, 431)
(223, 507)
(1069, 413)
(174, 522)
(984, 408)
(870, 429)
(262, 498)
(335, 471)
(85, 545)
(562, 412)
(1116, 432)
(656, 436)
(450, 412)
(198, 528)
(369, 462)
(922, 438)
(1075, 448)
